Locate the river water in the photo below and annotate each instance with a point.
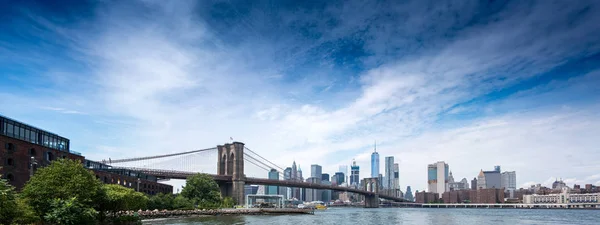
(406, 216)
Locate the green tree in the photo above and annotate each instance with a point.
(119, 198)
(181, 202)
(63, 179)
(228, 202)
(202, 190)
(8, 200)
(161, 201)
(70, 212)
(26, 213)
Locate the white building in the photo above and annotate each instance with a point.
(561, 198)
(437, 177)
(481, 180)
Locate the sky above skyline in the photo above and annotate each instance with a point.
(471, 83)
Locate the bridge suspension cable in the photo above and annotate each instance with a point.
(155, 157)
(273, 164)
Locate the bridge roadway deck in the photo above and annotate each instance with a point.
(170, 174)
(289, 183)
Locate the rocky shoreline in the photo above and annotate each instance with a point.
(155, 214)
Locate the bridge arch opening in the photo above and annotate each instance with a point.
(230, 164)
(222, 165)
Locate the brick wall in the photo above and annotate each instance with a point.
(145, 186)
(15, 157)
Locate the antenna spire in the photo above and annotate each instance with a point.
(375, 145)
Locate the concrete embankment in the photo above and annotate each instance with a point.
(216, 212)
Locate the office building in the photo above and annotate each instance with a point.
(375, 162)
(474, 184)
(409, 195)
(316, 171)
(396, 180)
(388, 180)
(344, 169)
(325, 177)
(481, 180)
(437, 177)
(354, 176)
(313, 194)
(493, 179)
(250, 189)
(509, 182)
(338, 178)
(326, 194)
(272, 190)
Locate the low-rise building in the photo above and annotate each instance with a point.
(426, 197)
(564, 197)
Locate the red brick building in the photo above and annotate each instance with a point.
(426, 197)
(22, 146)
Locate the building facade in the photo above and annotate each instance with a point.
(509, 182)
(426, 197)
(375, 162)
(564, 197)
(25, 148)
(409, 195)
(338, 178)
(437, 177)
(272, 190)
(354, 176)
(493, 179)
(316, 171)
(388, 179)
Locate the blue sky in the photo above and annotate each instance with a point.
(473, 83)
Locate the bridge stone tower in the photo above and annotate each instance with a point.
(230, 162)
(371, 185)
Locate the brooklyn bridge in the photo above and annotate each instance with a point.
(232, 161)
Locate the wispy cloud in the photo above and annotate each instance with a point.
(318, 83)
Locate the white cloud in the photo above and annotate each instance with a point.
(184, 89)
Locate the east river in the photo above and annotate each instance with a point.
(406, 216)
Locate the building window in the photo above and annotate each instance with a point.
(10, 146)
(32, 152)
(49, 156)
(10, 162)
(10, 177)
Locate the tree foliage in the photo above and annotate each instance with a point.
(203, 191)
(119, 198)
(63, 179)
(8, 201)
(161, 201)
(70, 212)
(181, 202)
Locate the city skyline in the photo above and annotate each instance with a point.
(315, 83)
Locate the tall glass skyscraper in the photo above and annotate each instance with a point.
(316, 171)
(375, 162)
(273, 190)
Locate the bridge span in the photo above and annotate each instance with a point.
(231, 177)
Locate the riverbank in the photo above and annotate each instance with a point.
(217, 212)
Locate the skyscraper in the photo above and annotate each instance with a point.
(344, 169)
(286, 191)
(354, 177)
(388, 181)
(509, 182)
(339, 178)
(493, 179)
(474, 184)
(408, 195)
(375, 162)
(396, 181)
(481, 180)
(437, 177)
(325, 177)
(316, 171)
(273, 190)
